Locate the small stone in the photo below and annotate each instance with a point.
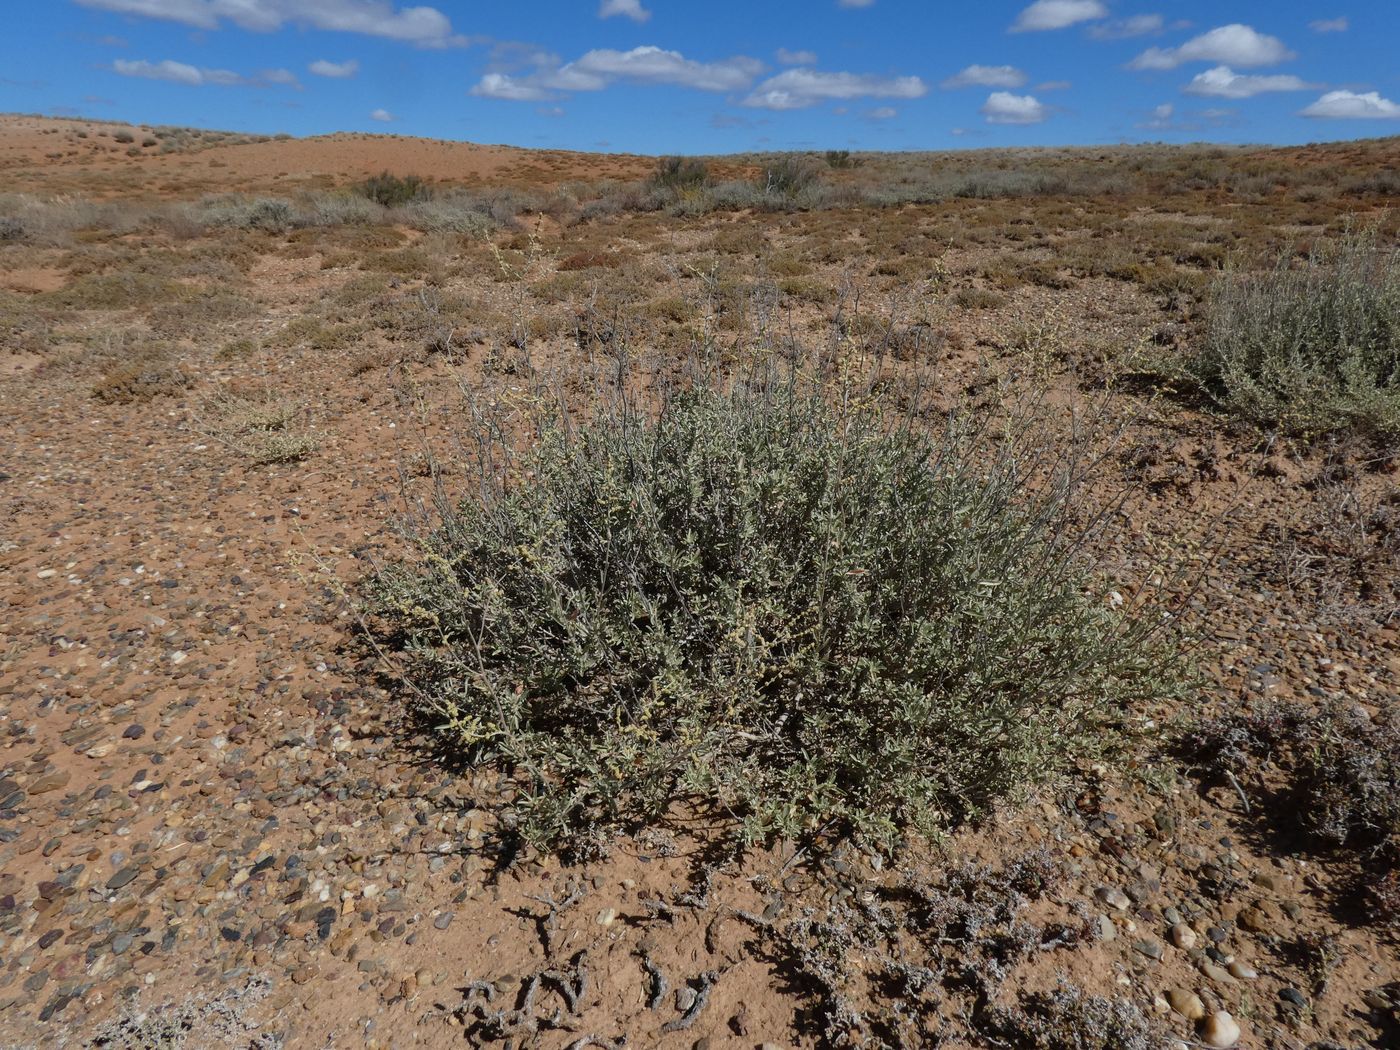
(1217, 973)
(607, 916)
(1220, 1030)
(444, 920)
(1114, 898)
(1292, 995)
(1187, 1003)
(123, 877)
(1376, 999)
(1105, 929)
(1242, 971)
(49, 781)
(1183, 936)
(1151, 949)
(1254, 919)
(134, 732)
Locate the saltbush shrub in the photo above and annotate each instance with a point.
(392, 190)
(1310, 349)
(681, 173)
(797, 614)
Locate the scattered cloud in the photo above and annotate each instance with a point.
(1058, 14)
(507, 88)
(632, 9)
(795, 58)
(1125, 28)
(1166, 118)
(1002, 107)
(383, 116)
(1055, 85)
(1224, 82)
(597, 69)
(1234, 45)
(1161, 117)
(335, 70)
(882, 113)
(1348, 105)
(424, 26)
(194, 76)
(986, 76)
(1330, 25)
(800, 88)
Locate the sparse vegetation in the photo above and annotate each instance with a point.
(681, 173)
(392, 191)
(1312, 349)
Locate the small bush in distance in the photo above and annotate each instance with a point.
(840, 158)
(798, 614)
(681, 173)
(789, 175)
(1313, 350)
(392, 190)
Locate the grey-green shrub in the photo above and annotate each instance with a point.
(1311, 349)
(799, 615)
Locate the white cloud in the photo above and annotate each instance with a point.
(1348, 105)
(632, 9)
(986, 76)
(335, 70)
(1330, 25)
(800, 88)
(509, 89)
(425, 26)
(194, 76)
(383, 116)
(597, 69)
(1058, 14)
(1224, 82)
(795, 58)
(883, 113)
(1161, 117)
(1233, 45)
(176, 72)
(283, 77)
(1002, 107)
(1123, 28)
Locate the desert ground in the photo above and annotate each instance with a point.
(235, 373)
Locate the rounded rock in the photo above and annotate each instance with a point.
(1220, 1030)
(1187, 1003)
(1183, 936)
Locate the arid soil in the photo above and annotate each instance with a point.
(209, 802)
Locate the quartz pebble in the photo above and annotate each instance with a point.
(1220, 1030)
(1183, 936)
(1187, 1003)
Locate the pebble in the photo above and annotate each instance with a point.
(1105, 929)
(123, 877)
(607, 916)
(1151, 949)
(1187, 1003)
(1114, 898)
(1220, 1030)
(1292, 995)
(1242, 971)
(1217, 973)
(444, 920)
(1183, 936)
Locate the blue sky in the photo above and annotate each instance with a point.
(654, 76)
